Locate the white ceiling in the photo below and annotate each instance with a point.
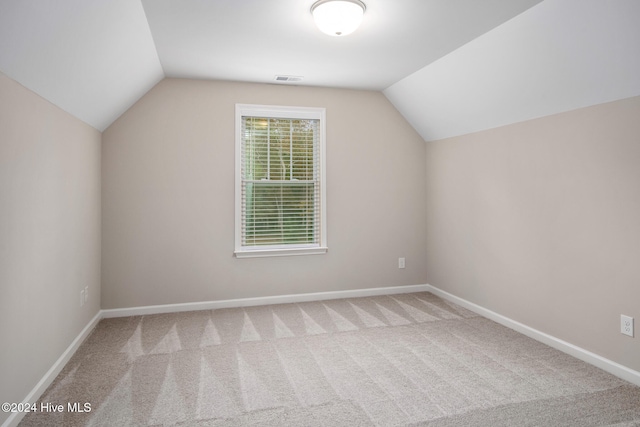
(95, 58)
(450, 66)
(92, 58)
(255, 40)
(558, 56)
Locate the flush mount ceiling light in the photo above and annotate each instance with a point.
(338, 17)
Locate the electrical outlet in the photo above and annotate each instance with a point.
(400, 262)
(626, 325)
(81, 298)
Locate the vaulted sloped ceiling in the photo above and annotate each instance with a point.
(92, 58)
(450, 66)
(558, 56)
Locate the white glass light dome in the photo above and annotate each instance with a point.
(338, 17)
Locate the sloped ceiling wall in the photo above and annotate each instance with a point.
(94, 59)
(557, 56)
(480, 64)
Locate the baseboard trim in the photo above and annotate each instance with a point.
(53, 372)
(47, 379)
(249, 302)
(605, 364)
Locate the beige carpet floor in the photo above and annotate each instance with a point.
(411, 359)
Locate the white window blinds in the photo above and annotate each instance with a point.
(281, 188)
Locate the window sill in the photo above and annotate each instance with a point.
(260, 253)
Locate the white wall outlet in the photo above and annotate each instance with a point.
(86, 294)
(81, 298)
(626, 325)
(400, 262)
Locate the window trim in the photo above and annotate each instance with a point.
(276, 111)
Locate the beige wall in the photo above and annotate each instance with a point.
(168, 197)
(540, 221)
(49, 235)
(537, 221)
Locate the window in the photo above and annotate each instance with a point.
(280, 181)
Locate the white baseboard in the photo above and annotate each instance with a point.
(577, 352)
(249, 302)
(610, 366)
(53, 372)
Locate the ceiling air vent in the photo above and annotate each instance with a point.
(288, 78)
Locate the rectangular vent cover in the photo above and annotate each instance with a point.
(288, 78)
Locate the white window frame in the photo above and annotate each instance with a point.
(272, 111)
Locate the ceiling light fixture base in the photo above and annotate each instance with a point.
(338, 17)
